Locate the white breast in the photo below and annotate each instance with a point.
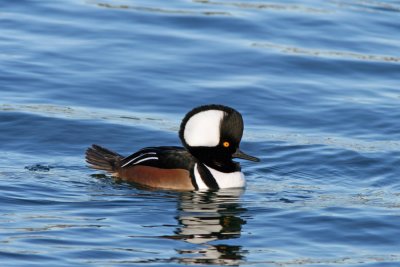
(224, 180)
(228, 180)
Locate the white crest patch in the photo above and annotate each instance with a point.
(203, 128)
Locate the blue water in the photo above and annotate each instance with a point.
(316, 81)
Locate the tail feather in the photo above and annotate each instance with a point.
(101, 158)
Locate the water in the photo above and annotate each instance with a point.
(316, 81)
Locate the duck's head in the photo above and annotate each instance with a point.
(212, 134)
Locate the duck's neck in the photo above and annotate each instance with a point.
(213, 159)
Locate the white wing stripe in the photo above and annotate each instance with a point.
(150, 158)
(132, 160)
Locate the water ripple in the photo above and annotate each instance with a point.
(268, 6)
(79, 113)
(327, 54)
(371, 6)
(160, 10)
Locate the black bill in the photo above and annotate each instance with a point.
(241, 155)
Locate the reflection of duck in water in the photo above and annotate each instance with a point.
(210, 216)
(211, 136)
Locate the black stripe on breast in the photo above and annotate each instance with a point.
(193, 179)
(207, 177)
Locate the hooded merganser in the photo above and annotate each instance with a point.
(210, 135)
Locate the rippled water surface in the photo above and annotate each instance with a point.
(316, 81)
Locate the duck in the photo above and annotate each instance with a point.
(210, 135)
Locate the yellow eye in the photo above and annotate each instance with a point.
(226, 144)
